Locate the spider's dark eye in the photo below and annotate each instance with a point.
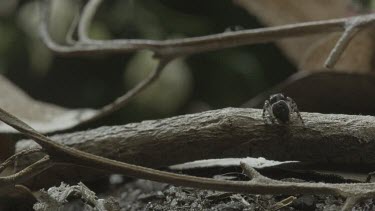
(276, 97)
(281, 111)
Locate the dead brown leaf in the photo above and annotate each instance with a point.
(326, 92)
(356, 58)
(309, 53)
(44, 117)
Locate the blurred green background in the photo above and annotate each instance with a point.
(228, 77)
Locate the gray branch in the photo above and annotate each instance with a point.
(230, 132)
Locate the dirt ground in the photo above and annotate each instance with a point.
(146, 195)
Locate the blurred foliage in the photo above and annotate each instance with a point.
(217, 79)
(169, 93)
(362, 6)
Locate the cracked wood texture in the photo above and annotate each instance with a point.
(229, 132)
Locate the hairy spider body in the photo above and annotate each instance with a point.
(280, 111)
(279, 108)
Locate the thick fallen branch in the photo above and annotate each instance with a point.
(259, 184)
(230, 132)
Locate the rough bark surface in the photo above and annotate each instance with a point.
(229, 132)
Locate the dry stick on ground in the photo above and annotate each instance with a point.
(8, 182)
(258, 185)
(16, 156)
(351, 199)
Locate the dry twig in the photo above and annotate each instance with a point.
(167, 50)
(86, 19)
(352, 27)
(9, 182)
(84, 22)
(16, 156)
(193, 45)
(125, 99)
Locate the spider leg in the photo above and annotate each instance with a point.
(294, 108)
(267, 109)
(266, 103)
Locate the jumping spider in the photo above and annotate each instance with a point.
(280, 108)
